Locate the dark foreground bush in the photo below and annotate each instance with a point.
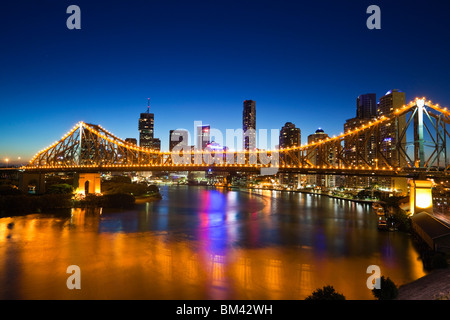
(62, 188)
(26, 204)
(326, 293)
(388, 290)
(118, 200)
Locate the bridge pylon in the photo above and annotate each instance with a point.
(85, 183)
(420, 196)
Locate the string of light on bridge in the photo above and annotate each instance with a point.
(120, 142)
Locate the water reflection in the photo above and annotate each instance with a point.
(200, 243)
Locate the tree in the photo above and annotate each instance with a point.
(62, 188)
(326, 293)
(388, 290)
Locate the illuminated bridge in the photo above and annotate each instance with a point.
(364, 151)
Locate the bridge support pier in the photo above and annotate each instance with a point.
(32, 182)
(400, 185)
(420, 197)
(85, 183)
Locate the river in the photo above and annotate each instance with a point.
(204, 243)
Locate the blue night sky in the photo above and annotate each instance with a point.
(300, 61)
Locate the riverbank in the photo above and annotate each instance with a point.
(147, 198)
(23, 204)
(313, 193)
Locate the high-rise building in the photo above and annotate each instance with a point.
(203, 136)
(321, 180)
(392, 100)
(146, 130)
(249, 124)
(366, 106)
(146, 127)
(361, 151)
(358, 151)
(388, 139)
(179, 136)
(290, 136)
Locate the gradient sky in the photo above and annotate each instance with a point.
(301, 62)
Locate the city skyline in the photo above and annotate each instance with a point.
(300, 70)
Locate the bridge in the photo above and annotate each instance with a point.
(362, 151)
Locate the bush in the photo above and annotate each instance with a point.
(120, 179)
(25, 204)
(8, 190)
(388, 290)
(136, 189)
(326, 293)
(402, 221)
(62, 188)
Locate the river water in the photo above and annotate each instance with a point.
(204, 243)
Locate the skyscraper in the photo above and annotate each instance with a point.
(249, 124)
(203, 136)
(321, 180)
(389, 138)
(392, 100)
(361, 151)
(366, 106)
(146, 129)
(179, 136)
(290, 136)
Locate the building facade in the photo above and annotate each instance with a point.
(176, 137)
(320, 180)
(146, 131)
(290, 136)
(249, 125)
(203, 136)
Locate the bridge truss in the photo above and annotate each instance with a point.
(409, 141)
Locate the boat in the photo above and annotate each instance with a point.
(378, 208)
(382, 223)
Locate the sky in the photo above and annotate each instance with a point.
(303, 62)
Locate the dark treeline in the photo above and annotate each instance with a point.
(119, 192)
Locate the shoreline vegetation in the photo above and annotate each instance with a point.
(119, 193)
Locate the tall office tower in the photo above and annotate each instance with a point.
(203, 136)
(249, 122)
(146, 126)
(179, 136)
(389, 132)
(330, 158)
(389, 138)
(290, 136)
(359, 151)
(366, 106)
(362, 150)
